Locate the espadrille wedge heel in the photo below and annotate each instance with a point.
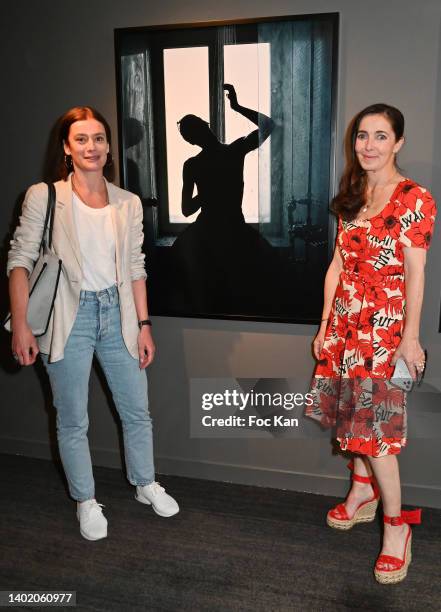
(388, 569)
(338, 518)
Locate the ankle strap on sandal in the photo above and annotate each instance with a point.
(364, 479)
(407, 516)
(357, 477)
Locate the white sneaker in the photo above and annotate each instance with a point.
(93, 524)
(155, 495)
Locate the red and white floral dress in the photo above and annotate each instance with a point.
(351, 383)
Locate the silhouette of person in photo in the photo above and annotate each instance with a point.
(223, 264)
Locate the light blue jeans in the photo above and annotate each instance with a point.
(97, 330)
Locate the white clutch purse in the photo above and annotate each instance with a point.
(401, 377)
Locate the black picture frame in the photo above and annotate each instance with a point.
(287, 280)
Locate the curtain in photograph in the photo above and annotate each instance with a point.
(138, 143)
(301, 88)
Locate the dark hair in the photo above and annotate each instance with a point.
(190, 126)
(61, 133)
(352, 190)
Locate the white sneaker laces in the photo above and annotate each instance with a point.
(156, 488)
(94, 508)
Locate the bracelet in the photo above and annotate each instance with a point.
(145, 322)
(327, 319)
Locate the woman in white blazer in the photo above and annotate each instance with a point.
(100, 309)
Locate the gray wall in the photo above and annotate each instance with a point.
(56, 55)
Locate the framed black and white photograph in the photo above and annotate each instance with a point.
(226, 134)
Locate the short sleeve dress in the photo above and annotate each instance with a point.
(351, 387)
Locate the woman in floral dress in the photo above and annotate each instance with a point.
(371, 315)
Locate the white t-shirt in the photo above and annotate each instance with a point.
(97, 245)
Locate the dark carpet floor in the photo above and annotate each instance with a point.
(231, 548)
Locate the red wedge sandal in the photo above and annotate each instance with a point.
(338, 518)
(388, 569)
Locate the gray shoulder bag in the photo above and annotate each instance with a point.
(43, 282)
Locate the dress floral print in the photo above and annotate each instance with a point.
(351, 383)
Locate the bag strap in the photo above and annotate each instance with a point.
(50, 214)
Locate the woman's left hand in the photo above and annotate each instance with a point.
(411, 351)
(146, 347)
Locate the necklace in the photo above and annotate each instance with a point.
(83, 199)
(367, 205)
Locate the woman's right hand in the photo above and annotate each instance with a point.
(24, 345)
(231, 95)
(319, 339)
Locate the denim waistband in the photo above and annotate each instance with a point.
(104, 295)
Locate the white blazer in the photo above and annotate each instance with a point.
(127, 223)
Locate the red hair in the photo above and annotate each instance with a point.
(60, 134)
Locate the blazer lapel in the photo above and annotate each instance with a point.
(119, 220)
(65, 215)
